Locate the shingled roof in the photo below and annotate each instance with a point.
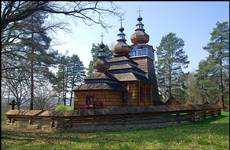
(101, 86)
(97, 75)
(130, 76)
(121, 58)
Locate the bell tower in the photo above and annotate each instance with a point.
(143, 54)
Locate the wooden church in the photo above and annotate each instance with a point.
(127, 79)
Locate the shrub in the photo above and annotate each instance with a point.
(62, 108)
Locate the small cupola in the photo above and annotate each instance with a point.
(101, 65)
(121, 48)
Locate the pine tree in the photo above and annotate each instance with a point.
(171, 59)
(69, 75)
(206, 82)
(216, 66)
(75, 74)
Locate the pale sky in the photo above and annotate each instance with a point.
(191, 21)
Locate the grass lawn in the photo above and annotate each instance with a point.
(210, 134)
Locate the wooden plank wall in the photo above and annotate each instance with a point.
(133, 93)
(108, 98)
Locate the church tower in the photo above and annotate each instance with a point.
(143, 55)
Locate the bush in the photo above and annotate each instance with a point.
(62, 108)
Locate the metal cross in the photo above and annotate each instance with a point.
(102, 37)
(121, 19)
(139, 12)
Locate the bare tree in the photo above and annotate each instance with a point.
(18, 85)
(44, 96)
(91, 11)
(14, 28)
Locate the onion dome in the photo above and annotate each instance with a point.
(121, 48)
(139, 37)
(101, 65)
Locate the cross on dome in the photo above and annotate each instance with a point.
(139, 11)
(102, 37)
(121, 19)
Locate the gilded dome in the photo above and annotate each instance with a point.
(121, 48)
(139, 37)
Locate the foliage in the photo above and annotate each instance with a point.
(213, 72)
(94, 52)
(27, 56)
(75, 73)
(192, 90)
(212, 133)
(24, 27)
(62, 108)
(171, 60)
(69, 75)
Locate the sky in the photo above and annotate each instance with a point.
(191, 21)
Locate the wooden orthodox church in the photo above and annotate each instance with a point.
(127, 79)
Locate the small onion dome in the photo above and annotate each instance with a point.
(101, 65)
(139, 37)
(121, 48)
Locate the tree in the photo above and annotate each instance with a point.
(32, 47)
(14, 11)
(14, 28)
(60, 79)
(37, 45)
(75, 74)
(171, 59)
(18, 85)
(44, 96)
(206, 82)
(69, 75)
(94, 52)
(218, 49)
(192, 90)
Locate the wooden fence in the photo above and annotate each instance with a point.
(113, 118)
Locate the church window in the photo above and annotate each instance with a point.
(89, 100)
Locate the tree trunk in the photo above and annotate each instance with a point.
(17, 103)
(8, 99)
(221, 76)
(63, 89)
(221, 82)
(32, 73)
(71, 96)
(32, 81)
(170, 82)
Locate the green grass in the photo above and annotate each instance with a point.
(210, 134)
